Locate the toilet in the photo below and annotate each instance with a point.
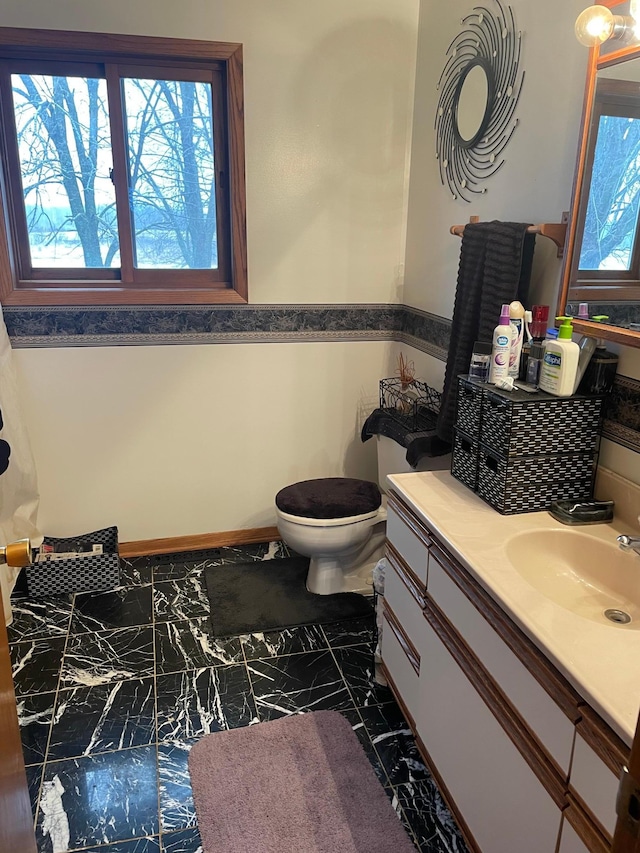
(340, 522)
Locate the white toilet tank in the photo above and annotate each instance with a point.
(392, 459)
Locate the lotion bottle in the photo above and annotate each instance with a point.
(501, 348)
(560, 362)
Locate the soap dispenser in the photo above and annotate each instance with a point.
(560, 362)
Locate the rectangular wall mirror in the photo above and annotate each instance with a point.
(602, 258)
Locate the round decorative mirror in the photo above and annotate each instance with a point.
(479, 90)
(473, 103)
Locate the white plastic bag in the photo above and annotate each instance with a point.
(18, 482)
(379, 572)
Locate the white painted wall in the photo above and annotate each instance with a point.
(328, 101)
(177, 440)
(169, 441)
(535, 183)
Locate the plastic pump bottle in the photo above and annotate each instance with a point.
(560, 362)
(501, 347)
(516, 320)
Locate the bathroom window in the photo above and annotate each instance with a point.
(122, 170)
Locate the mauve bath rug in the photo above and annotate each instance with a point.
(300, 784)
(247, 598)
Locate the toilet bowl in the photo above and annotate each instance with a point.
(340, 523)
(343, 550)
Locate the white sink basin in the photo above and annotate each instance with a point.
(581, 573)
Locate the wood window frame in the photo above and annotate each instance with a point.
(169, 287)
(611, 97)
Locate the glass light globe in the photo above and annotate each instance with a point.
(634, 11)
(594, 25)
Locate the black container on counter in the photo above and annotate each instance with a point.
(600, 373)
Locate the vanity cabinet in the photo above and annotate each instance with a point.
(517, 752)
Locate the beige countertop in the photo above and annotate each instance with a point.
(600, 659)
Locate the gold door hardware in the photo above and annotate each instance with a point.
(17, 553)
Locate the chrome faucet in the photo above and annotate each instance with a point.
(629, 543)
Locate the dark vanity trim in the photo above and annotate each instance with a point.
(585, 826)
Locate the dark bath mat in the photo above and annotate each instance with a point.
(247, 598)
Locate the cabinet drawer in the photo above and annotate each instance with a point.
(404, 596)
(413, 549)
(546, 720)
(401, 662)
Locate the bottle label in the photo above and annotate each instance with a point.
(503, 341)
(550, 371)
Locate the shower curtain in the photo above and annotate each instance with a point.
(18, 482)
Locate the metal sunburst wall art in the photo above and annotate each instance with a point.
(479, 90)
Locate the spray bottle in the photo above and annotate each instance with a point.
(501, 348)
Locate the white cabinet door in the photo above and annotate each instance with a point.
(504, 804)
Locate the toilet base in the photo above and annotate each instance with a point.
(351, 573)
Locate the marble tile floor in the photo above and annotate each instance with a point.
(114, 688)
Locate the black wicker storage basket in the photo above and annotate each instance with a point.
(514, 484)
(540, 425)
(89, 573)
(470, 396)
(520, 451)
(464, 459)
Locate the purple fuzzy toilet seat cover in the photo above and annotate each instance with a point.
(329, 497)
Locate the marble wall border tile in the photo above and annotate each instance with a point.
(199, 324)
(622, 423)
(41, 327)
(35, 327)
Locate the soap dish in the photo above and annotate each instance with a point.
(582, 512)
